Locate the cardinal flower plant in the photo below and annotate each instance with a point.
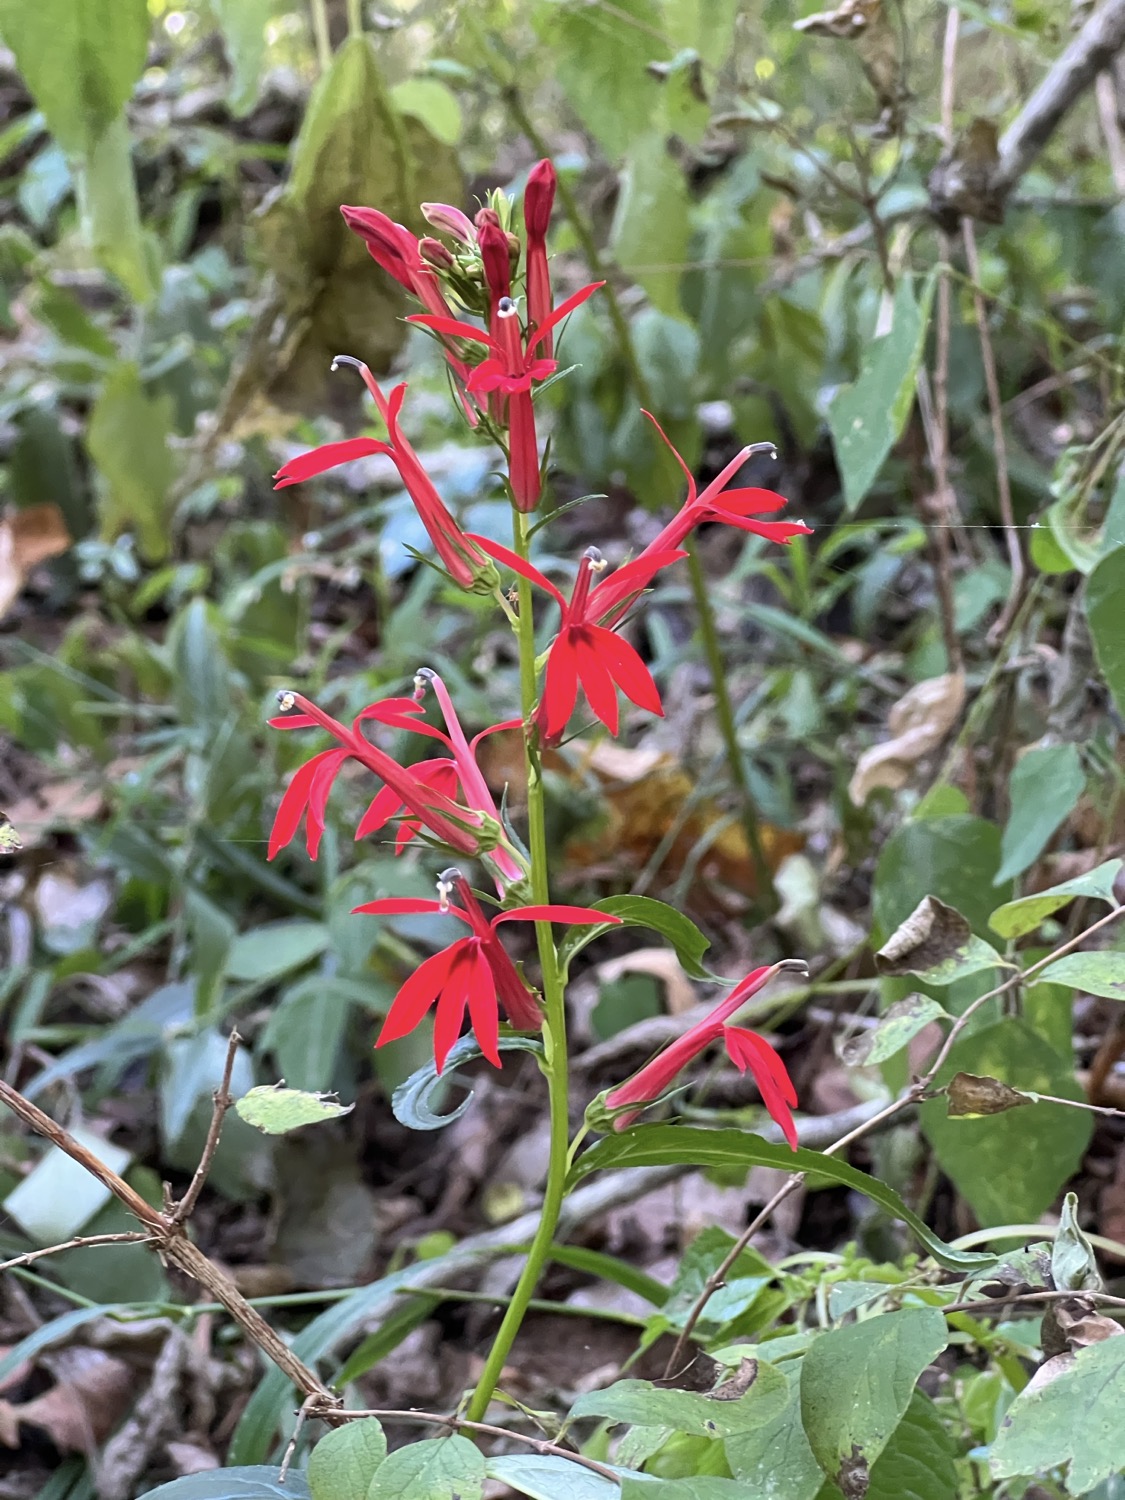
(488, 302)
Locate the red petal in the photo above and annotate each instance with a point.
(629, 580)
(748, 502)
(418, 994)
(560, 687)
(627, 670)
(514, 561)
(327, 456)
(319, 788)
(380, 810)
(581, 916)
(597, 683)
(454, 327)
(450, 1014)
(563, 310)
(408, 829)
(294, 721)
(747, 1050)
(403, 906)
(484, 1015)
(773, 531)
(294, 802)
(494, 729)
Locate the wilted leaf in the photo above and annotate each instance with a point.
(274, 1111)
(971, 1095)
(413, 1100)
(90, 1395)
(27, 538)
(935, 941)
(899, 1024)
(1073, 1267)
(918, 723)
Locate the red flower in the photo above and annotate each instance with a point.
(538, 200)
(746, 1049)
(511, 367)
(307, 793)
(474, 972)
(444, 776)
(464, 562)
(584, 651)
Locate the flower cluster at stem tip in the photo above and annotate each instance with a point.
(488, 302)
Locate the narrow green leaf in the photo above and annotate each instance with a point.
(1016, 918)
(343, 1463)
(652, 225)
(111, 215)
(663, 1145)
(1105, 590)
(243, 24)
(412, 1103)
(1100, 973)
(128, 440)
(1043, 791)
(275, 1111)
(856, 1384)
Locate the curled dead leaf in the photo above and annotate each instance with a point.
(931, 933)
(971, 1095)
(91, 1394)
(918, 723)
(663, 965)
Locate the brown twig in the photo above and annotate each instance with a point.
(917, 1091)
(983, 1304)
(435, 1419)
(79, 1242)
(173, 1245)
(222, 1102)
(996, 417)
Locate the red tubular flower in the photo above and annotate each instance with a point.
(445, 776)
(746, 1049)
(538, 200)
(307, 792)
(474, 973)
(584, 651)
(511, 367)
(497, 260)
(464, 562)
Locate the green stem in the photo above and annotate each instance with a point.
(554, 1022)
(319, 11)
(583, 233)
(355, 17)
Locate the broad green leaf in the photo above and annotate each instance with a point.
(256, 1482)
(445, 1468)
(644, 911)
(668, 350)
(600, 56)
(1073, 1419)
(343, 1463)
(128, 440)
(275, 1111)
(547, 1476)
(642, 1404)
(775, 1459)
(706, 1488)
(58, 1196)
(954, 859)
(111, 215)
(867, 417)
(1105, 590)
(1009, 1166)
(897, 1027)
(663, 1145)
(1043, 792)
(919, 1461)
(306, 1028)
(430, 101)
(651, 227)
(243, 25)
(275, 948)
(411, 1102)
(80, 59)
(1101, 973)
(1015, 918)
(857, 1383)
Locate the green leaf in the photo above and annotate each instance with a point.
(1097, 973)
(1009, 1166)
(547, 1476)
(111, 215)
(954, 859)
(80, 59)
(642, 1404)
(663, 1145)
(343, 1463)
(643, 911)
(58, 1196)
(1015, 918)
(668, 350)
(445, 1468)
(305, 1031)
(1073, 1266)
(257, 1482)
(775, 1459)
(1105, 590)
(857, 1383)
(433, 103)
(1043, 792)
(275, 1111)
(128, 440)
(867, 417)
(411, 1101)
(936, 943)
(919, 1461)
(652, 225)
(243, 24)
(1073, 1418)
(275, 948)
(201, 675)
(706, 1488)
(898, 1026)
(375, 1348)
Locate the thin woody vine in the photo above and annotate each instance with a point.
(482, 269)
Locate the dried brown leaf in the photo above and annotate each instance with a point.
(918, 723)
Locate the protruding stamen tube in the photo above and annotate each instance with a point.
(286, 700)
(446, 884)
(762, 448)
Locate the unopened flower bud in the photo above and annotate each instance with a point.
(435, 253)
(450, 221)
